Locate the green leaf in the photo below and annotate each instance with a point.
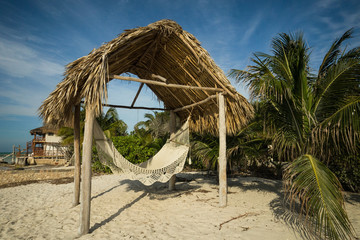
(319, 192)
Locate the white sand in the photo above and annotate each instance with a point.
(124, 209)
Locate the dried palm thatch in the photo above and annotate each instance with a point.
(43, 130)
(162, 48)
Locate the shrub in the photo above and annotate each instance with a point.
(97, 166)
(348, 172)
(134, 149)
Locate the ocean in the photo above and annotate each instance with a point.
(8, 159)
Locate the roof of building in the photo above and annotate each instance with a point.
(43, 130)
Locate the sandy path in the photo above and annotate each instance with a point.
(124, 209)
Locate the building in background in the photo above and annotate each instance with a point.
(45, 147)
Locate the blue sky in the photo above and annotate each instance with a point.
(39, 37)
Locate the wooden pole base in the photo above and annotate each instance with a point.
(222, 153)
(85, 203)
(77, 170)
(172, 126)
(172, 183)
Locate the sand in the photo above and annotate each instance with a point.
(124, 209)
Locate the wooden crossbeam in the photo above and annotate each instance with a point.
(195, 104)
(170, 85)
(132, 107)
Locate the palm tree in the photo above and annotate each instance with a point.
(312, 118)
(205, 150)
(111, 124)
(247, 146)
(157, 124)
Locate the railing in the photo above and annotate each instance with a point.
(48, 153)
(3, 157)
(39, 138)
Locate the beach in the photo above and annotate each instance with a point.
(126, 209)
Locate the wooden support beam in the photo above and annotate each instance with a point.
(172, 180)
(77, 170)
(129, 107)
(137, 94)
(151, 82)
(145, 108)
(85, 203)
(222, 153)
(195, 104)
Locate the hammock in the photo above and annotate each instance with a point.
(168, 161)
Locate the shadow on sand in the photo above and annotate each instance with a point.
(107, 191)
(352, 198)
(280, 209)
(109, 219)
(158, 191)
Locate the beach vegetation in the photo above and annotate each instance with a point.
(137, 149)
(96, 165)
(111, 124)
(313, 121)
(112, 127)
(147, 138)
(247, 151)
(156, 125)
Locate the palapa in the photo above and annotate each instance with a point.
(159, 51)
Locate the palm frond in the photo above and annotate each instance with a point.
(341, 80)
(286, 144)
(345, 112)
(319, 192)
(333, 53)
(207, 151)
(259, 78)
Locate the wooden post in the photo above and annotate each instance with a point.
(13, 156)
(77, 170)
(172, 130)
(86, 172)
(222, 153)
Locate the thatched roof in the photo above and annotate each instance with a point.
(43, 130)
(162, 48)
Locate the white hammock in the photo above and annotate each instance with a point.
(168, 161)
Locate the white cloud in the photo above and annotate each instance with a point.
(251, 29)
(325, 4)
(21, 99)
(19, 60)
(18, 110)
(28, 76)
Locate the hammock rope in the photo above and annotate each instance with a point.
(168, 161)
